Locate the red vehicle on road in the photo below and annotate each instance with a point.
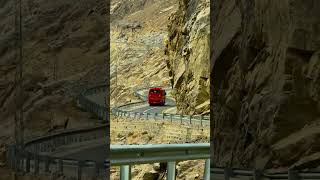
(157, 96)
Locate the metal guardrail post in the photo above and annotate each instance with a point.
(95, 171)
(201, 119)
(227, 173)
(171, 117)
(147, 115)
(257, 175)
(163, 115)
(293, 175)
(171, 174)
(28, 163)
(46, 164)
(206, 175)
(125, 172)
(36, 164)
(190, 117)
(181, 118)
(60, 165)
(79, 170)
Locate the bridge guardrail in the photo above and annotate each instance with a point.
(127, 155)
(31, 160)
(228, 173)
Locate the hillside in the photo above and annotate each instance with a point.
(64, 50)
(137, 46)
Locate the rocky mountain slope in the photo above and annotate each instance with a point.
(64, 51)
(266, 83)
(137, 46)
(188, 55)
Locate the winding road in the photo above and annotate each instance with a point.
(96, 150)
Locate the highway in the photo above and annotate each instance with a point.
(96, 150)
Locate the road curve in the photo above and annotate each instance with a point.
(96, 151)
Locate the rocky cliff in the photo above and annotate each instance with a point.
(187, 51)
(64, 46)
(266, 83)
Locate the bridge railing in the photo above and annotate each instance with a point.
(127, 155)
(36, 158)
(90, 106)
(189, 119)
(229, 173)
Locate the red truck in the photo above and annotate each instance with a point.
(157, 96)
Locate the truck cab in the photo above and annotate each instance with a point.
(157, 96)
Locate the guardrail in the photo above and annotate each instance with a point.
(228, 173)
(88, 105)
(127, 155)
(189, 119)
(28, 162)
(33, 157)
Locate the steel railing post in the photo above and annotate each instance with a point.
(201, 119)
(28, 163)
(171, 117)
(125, 172)
(79, 170)
(60, 165)
(190, 117)
(257, 175)
(47, 164)
(293, 175)
(181, 118)
(36, 164)
(206, 175)
(227, 173)
(171, 174)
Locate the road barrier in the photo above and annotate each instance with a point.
(127, 155)
(229, 173)
(33, 158)
(95, 108)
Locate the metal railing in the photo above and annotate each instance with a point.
(33, 158)
(229, 173)
(127, 155)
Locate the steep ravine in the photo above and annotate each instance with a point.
(266, 83)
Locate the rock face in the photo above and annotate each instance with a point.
(188, 54)
(64, 46)
(266, 83)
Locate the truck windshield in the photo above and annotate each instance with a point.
(154, 92)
